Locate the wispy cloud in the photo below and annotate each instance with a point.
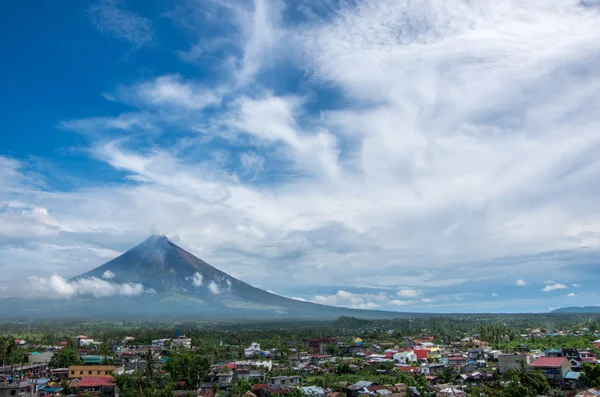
(521, 283)
(554, 287)
(112, 19)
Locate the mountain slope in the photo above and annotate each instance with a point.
(175, 284)
(577, 309)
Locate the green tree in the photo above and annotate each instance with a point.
(516, 389)
(64, 358)
(240, 387)
(591, 375)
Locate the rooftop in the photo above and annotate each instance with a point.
(549, 362)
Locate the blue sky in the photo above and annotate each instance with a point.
(400, 155)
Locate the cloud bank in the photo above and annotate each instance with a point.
(56, 287)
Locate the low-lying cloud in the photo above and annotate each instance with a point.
(197, 279)
(214, 288)
(57, 287)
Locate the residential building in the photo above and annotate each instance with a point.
(161, 343)
(99, 385)
(313, 391)
(182, 342)
(40, 358)
(17, 388)
(253, 350)
(553, 368)
(405, 357)
(283, 381)
(512, 361)
(574, 358)
(318, 345)
(589, 393)
(79, 371)
(596, 344)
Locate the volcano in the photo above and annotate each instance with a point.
(162, 280)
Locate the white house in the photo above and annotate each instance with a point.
(160, 343)
(182, 341)
(252, 350)
(406, 357)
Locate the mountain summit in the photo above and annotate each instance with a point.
(158, 279)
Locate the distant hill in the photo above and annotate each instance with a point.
(577, 309)
(176, 284)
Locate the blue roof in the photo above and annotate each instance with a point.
(51, 389)
(572, 375)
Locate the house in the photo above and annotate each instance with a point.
(313, 391)
(422, 354)
(452, 391)
(160, 343)
(553, 368)
(357, 388)
(283, 381)
(572, 379)
(432, 369)
(318, 345)
(79, 371)
(17, 388)
(405, 357)
(589, 393)
(588, 357)
(102, 385)
(182, 342)
(457, 360)
(512, 361)
(596, 344)
(92, 360)
(40, 358)
(553, 353)
(253, 350)
(408, 369)
(574, 358)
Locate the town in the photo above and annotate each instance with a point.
(494, 361)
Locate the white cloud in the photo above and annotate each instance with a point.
(197, 279)
(172, 90)
(494, 294)
(108, 275)
(570, 295)
(214, 288)
(398, 302)
(348, 299)
(520, 282)
(409, 293)
(111, 19)
(427, 300)
(56, 287)
(575, 285)
(554, 287)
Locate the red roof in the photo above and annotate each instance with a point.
(549, 362)
(96, 381)
(260, 386)
(421, 354)
(407, 368)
